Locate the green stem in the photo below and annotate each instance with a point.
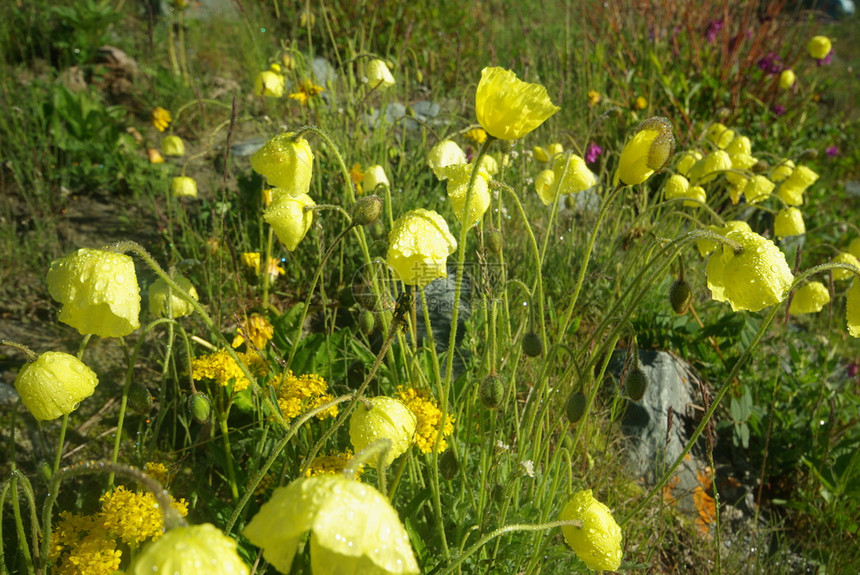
(19, 527)
(60, 441)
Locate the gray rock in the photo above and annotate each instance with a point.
(8, 394)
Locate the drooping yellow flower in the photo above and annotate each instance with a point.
(173, 146)
(739, 145)
(458, 187)
(597, 542)
(54, 384)
(428, 417)
(708, 168)
(508, 108)
(786, 79)
(852, 309)
(298, 394)
(444, 154)
(819, 47)
(190, 550)
(378, 75)
(758, 189)
(752, 280)
(788, 222)
(687, 160)
(354, 529)
(160, 294)
(134, 517)
(386, 418)
(782, 171)
(418, 247)
(792, 188)
(286, 162)
(290, 218)
(270, 83)
(854, 248)
(543, 185)
(809, 298)
(720, 135)
(161, 119)
(648, 151)
(98, 290)
(374, 177)
(571, 175)
(845, 258)
(706, 246)
(183, 187)
(255, 328)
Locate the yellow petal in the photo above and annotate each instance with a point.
(508, 108)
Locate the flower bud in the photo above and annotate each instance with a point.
(598, 541)
(199, 407)
(139, 398)
(492, 391)
(448, 465)
(367, 210)
(366, 322)
(387, 418)
(575, 406)
(494, 242)
(54, 384)
(808, 154)
(173, 146)
(636, 382)
(179, 306)
(532, 344)
(680, 296)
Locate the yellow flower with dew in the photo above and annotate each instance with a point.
(554, 149)
(640, 103)
(707, 246)
(444, 154)
(222, 369)
(160, 295)
(286, 162)
(597, 541)
(298, 394)
(593, 97)
(428, 417)
(255, 328)
(741, 161)
(161, 119)
(787, 79)
(333, 464)
(382, 418)
(54, 384)
(809, 298)
(788, 222)
(739, 145)
(648, 151)
(354, 528)
(854, 247)
(544, 186)
(379, 76)
(183, 187)
(841, 274)
(755, 278)
(418, 247)
(270, 83)
(852, 309)
(782, 170)
(719, 135)
(819, 47)
(677, 186)
(190, 550)
(290, 218)
(489, 165)
(477, 135)
(374, 177)
(458, 177)
(708, 168)
(571, 175)
(356, 175)
(98, 290)
(307, 90)
(686, 161)
(134, 517)
(508, 108)
(173, 146)
(792, 188)
(758, 188)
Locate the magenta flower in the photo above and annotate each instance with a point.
(714, 27)
(592, 153)
(832, 151)
(778, 109)
(771, 64)
(826, 60)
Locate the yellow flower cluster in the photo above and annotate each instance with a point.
(157, 471)
(220, 367)
(134, 517)
(429, 417)
(332, 464)
(297, 394)
(161, 119)
(92, 555)
(257, 329)
(477, 135)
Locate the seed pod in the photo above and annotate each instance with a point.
(680, 296)
(806, 155)
(199, 407)
(636, 382)
(492, 391)
(367, 210)
(532, 344)
(575, 405)
(760, 166)
(448, 465)
(139, 398)
(366, 322)
(494, 242)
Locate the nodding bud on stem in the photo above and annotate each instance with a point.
(367, 210)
